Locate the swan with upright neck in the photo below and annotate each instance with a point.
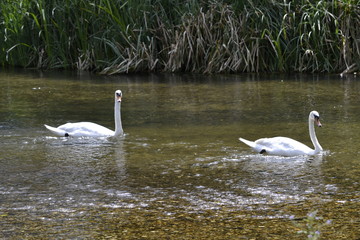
(286, 146)
(89, 129)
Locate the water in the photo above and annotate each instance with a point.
(180, 171)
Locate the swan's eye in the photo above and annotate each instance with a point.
(316, 117)
(118, 94)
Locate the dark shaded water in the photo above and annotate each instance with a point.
(180, 171)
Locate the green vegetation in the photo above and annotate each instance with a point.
(116, 36)
(311, 226)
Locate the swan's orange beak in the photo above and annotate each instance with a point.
(317, 121)
(118, 98)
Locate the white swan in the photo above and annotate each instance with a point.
(89, 129)
(286, 146)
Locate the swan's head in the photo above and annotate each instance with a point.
(315, 116)
(118, 95)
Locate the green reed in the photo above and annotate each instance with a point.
(114, 36)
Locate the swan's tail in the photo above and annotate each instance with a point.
(56, 131)
(247, 142)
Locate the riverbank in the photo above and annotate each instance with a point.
(112, 37)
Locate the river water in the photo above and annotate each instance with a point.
(180, 172)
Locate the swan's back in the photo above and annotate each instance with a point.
(279, 146)
(283, 146)
(81, 129)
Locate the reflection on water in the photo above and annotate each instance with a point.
(180, 158)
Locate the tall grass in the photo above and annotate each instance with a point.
(116, 36)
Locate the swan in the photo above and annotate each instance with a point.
(286, 146)
(89, 129)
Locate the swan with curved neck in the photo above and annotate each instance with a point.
(286, 146)
(89, 129)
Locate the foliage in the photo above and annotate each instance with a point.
(311, 226)
(116, 36)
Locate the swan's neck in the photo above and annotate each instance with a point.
(117, 115)
(313, 137)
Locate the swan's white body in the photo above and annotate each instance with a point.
(89, 129)
(286, 146)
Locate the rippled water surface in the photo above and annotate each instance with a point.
(180, 171)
